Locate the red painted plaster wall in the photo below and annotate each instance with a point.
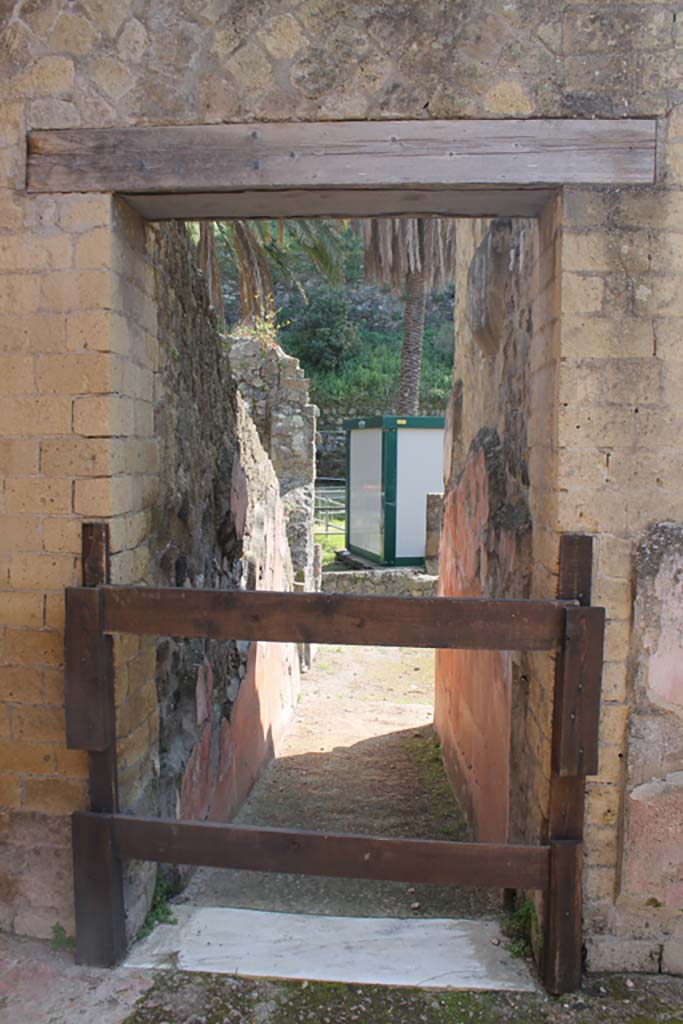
(472, 699)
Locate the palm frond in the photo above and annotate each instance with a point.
(251, 249)
(396, 246)
(208, 263)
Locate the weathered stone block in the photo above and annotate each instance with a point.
(72, 34)
(486, 279)
(654, 855)
(42, 724)
(54, 796)
(67, 290)
(51, 572)
(672, 957)
(21, 685)
(36, 495)
(19, 533)
(605, 953)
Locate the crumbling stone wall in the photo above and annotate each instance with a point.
(652, 885)
(275, 389)
(218, 523)
(380, 583)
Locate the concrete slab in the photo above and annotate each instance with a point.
(378, 951)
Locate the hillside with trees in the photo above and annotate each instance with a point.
(346, 331)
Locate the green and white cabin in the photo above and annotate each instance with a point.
(392, 463)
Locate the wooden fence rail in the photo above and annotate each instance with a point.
(334, 618)
(103, 838)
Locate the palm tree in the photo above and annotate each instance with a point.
(415, 256)
(252, 250)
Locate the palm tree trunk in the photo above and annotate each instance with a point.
(411, 352)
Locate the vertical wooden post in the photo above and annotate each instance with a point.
(98, 892)
(91, 725)
(104, 794)
(95, 556)
(562, 948)
(576, 705)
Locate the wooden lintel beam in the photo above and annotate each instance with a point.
(342, 154)
(341, 202)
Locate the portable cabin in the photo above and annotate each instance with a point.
(392, 463)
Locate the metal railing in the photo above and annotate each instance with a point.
(329, 517)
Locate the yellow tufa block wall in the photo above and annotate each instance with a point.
(78, 353)
(620, 437)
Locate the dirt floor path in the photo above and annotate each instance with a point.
(360, 757)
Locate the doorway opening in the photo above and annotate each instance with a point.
(443, 158)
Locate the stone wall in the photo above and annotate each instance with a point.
(78, 337)
(218, 523)
(380, 583)
(275, 390)
(330, 453)
(619, 435)
(604, 434)
(156, 63)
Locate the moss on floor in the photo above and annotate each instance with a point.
(449, 820)
(179, 998)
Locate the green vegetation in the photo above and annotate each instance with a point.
(347, 333)
(331, 543)
(60, 938)
(415, 256)
(521, 927)
(256, 253)
(160, 911)
(449, 821)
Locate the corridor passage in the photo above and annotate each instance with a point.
(360, 756)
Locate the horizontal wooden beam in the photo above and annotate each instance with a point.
(432, 202)
(437, 622)
(342, 154)
(330, 855)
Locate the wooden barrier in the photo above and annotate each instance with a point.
(103, 838)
